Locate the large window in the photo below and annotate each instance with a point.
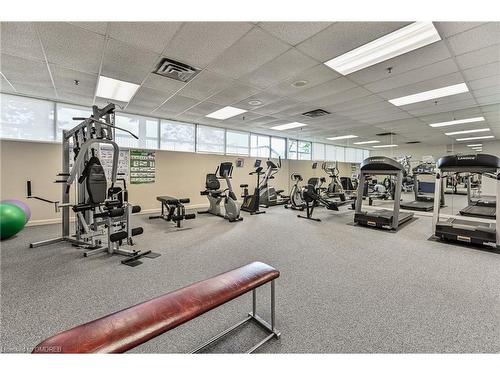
(278, 147)
(237, 143)
(65, 114)
(292, 149)
(330, 153)
(340, 153)
(210, 140)
(259, 146)
(350, 155)
(318, 151)
(177, 136)
(304, 150)
(26, 118)
(143, 127)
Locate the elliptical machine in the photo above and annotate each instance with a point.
(268, 195)
(215, 194)
(296, 201)
(335, 188)
(251, 202)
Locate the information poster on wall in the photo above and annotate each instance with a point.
(142, 167)
(106, 157)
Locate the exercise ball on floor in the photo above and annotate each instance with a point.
(12, 220)
(23, 206)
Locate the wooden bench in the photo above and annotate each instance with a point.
(133, 326)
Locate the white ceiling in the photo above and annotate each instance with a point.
(244, 61)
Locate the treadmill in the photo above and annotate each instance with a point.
(477, 232)
(424, 190)
(386, 219)
(484, 206)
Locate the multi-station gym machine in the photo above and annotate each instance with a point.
(102, 214)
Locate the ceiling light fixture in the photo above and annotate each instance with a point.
(476, 145)
(384, 146)
(406, 39)
(431, 94)
(342, 137)
(365, 142)
(290, 125)
(300, 83)
(115, 89)
(474, 138)
(456, 122)
(226, 112)
(468, 131)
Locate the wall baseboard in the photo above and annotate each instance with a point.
(33, 223)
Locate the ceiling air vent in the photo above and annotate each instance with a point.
(316, 113)
(176, 70)
(412, 142)
(384, 134)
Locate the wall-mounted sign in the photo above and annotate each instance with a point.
(142, 167)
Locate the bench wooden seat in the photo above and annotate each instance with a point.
(133, 326)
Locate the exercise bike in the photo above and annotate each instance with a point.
(251, 202)
(296, 201)
(215, 195)
(268, 195)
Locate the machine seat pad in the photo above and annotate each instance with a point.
(133, 326)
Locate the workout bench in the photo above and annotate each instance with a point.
(133, 326)
(172, 209)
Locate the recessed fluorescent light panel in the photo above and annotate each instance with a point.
(456, 122)
(384, 146)
(342, 137)
(476, 138)
(476, 145)
(468, 131)
(431, 94)
(406, 39)
(290, 125)
(365, 142)
(226, 112)
(115, 89)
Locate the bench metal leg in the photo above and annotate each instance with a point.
(273, 332)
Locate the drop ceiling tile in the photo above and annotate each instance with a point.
(148, 98)
(167, 85)
(177, 104)
(233, 94)
(487, 91)
(241, 58)
(96, 27)
(199, 43)
(422, 74)
(205, 84)
(293, 32)
(78, 99)
(480, 57)
(203, 109)
(443, 108)
(447, 29)
(26, 72)
(64, 80)
(127, 63)
(477, 38)
(325, 89)
(71, 46)
(284, 66)
(152, 36)
(485, 82)
(276, 107)
(262, 120)
(20, 39)
(484, 100)
(36, 89)
(367, 108)
(355, 103)
(342, 37)
(410, 61)
(483, 71)
(6, 86)
(262, 96)
(242, 119)
(341, 97)
(313, 76)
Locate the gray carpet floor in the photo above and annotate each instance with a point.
(342, 288)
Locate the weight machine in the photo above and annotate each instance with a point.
(102, 215)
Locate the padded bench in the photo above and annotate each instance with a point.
(133, 326)
(172, 209)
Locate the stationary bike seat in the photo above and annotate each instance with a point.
(243, 185)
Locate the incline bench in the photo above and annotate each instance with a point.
(128, 328)
(172, 209)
